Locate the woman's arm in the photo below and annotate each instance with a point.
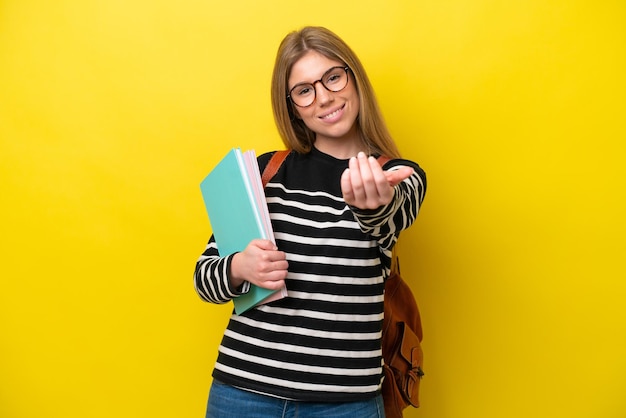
(212, 276)
(383, 202)
(220, 279)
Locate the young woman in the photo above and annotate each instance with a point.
(336, 215)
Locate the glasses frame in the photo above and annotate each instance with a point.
(344, 67)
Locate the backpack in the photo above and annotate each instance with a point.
(402, 328)
(402, 349)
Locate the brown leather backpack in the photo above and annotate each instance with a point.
(402, 349)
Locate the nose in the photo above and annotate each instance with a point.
(322, 94)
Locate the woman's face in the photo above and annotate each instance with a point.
(332, 115)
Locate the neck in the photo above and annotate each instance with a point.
(340, 148)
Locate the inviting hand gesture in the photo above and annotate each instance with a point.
(365, 185)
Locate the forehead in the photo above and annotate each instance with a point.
(310, 67)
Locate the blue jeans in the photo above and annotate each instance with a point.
(226, 401)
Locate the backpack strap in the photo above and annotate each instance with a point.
(273, 165)
(383, 159)
(395, 260)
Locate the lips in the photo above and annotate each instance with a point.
(332, 114)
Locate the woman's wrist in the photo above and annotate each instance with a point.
(236, 281)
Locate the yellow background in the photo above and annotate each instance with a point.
(111, 112)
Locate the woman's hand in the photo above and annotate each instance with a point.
(365, 185)
(260, 264)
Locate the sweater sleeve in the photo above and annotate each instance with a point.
(386, 222)
(212, 276)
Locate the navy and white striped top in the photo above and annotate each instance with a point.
(321, 343)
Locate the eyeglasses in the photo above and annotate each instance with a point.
(304, 94)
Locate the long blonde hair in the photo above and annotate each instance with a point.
(294, 133)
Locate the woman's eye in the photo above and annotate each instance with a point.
(303, 91)
(334, 78)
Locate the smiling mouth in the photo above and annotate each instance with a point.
(333, 114)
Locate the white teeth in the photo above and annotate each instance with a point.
(330, 115)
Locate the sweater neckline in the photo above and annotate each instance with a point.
(316, 153)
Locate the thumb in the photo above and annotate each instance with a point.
(397, 176)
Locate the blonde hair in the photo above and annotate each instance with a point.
(294, 133)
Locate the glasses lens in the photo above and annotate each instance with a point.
(335, 79)
(303, 94)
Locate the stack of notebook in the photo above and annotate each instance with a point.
(235, 202)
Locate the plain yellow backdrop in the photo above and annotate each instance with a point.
(111, 112)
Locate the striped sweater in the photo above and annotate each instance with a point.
(323, 341)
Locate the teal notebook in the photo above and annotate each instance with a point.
(235, 202)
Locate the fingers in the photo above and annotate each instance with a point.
(367, 176)
(264, 244)
(261, 264)
(364, 184)
(359, 180)
(346, 187)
